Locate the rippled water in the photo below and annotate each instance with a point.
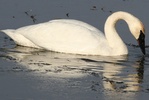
(46, 74)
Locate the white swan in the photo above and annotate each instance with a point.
(77, 37)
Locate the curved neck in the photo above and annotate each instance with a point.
(114, 40)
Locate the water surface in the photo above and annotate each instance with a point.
(28, 73)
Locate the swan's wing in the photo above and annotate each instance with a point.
(64, 36)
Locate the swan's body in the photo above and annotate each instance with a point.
(77, 37)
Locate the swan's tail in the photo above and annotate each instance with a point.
(19, 38)
(9, 32)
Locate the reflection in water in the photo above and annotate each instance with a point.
(140, 69)
(118, 74)
(122, 79)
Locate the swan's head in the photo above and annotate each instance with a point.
(136, 27)
(138, 31)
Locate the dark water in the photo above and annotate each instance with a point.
(32, 74)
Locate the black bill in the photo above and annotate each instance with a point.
(141, 42)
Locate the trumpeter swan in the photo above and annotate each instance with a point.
(77, 37)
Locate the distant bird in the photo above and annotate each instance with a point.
(67, 14)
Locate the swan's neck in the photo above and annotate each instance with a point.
(111, 34)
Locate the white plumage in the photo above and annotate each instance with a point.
(77, 37)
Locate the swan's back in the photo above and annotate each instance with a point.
(69, 36)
